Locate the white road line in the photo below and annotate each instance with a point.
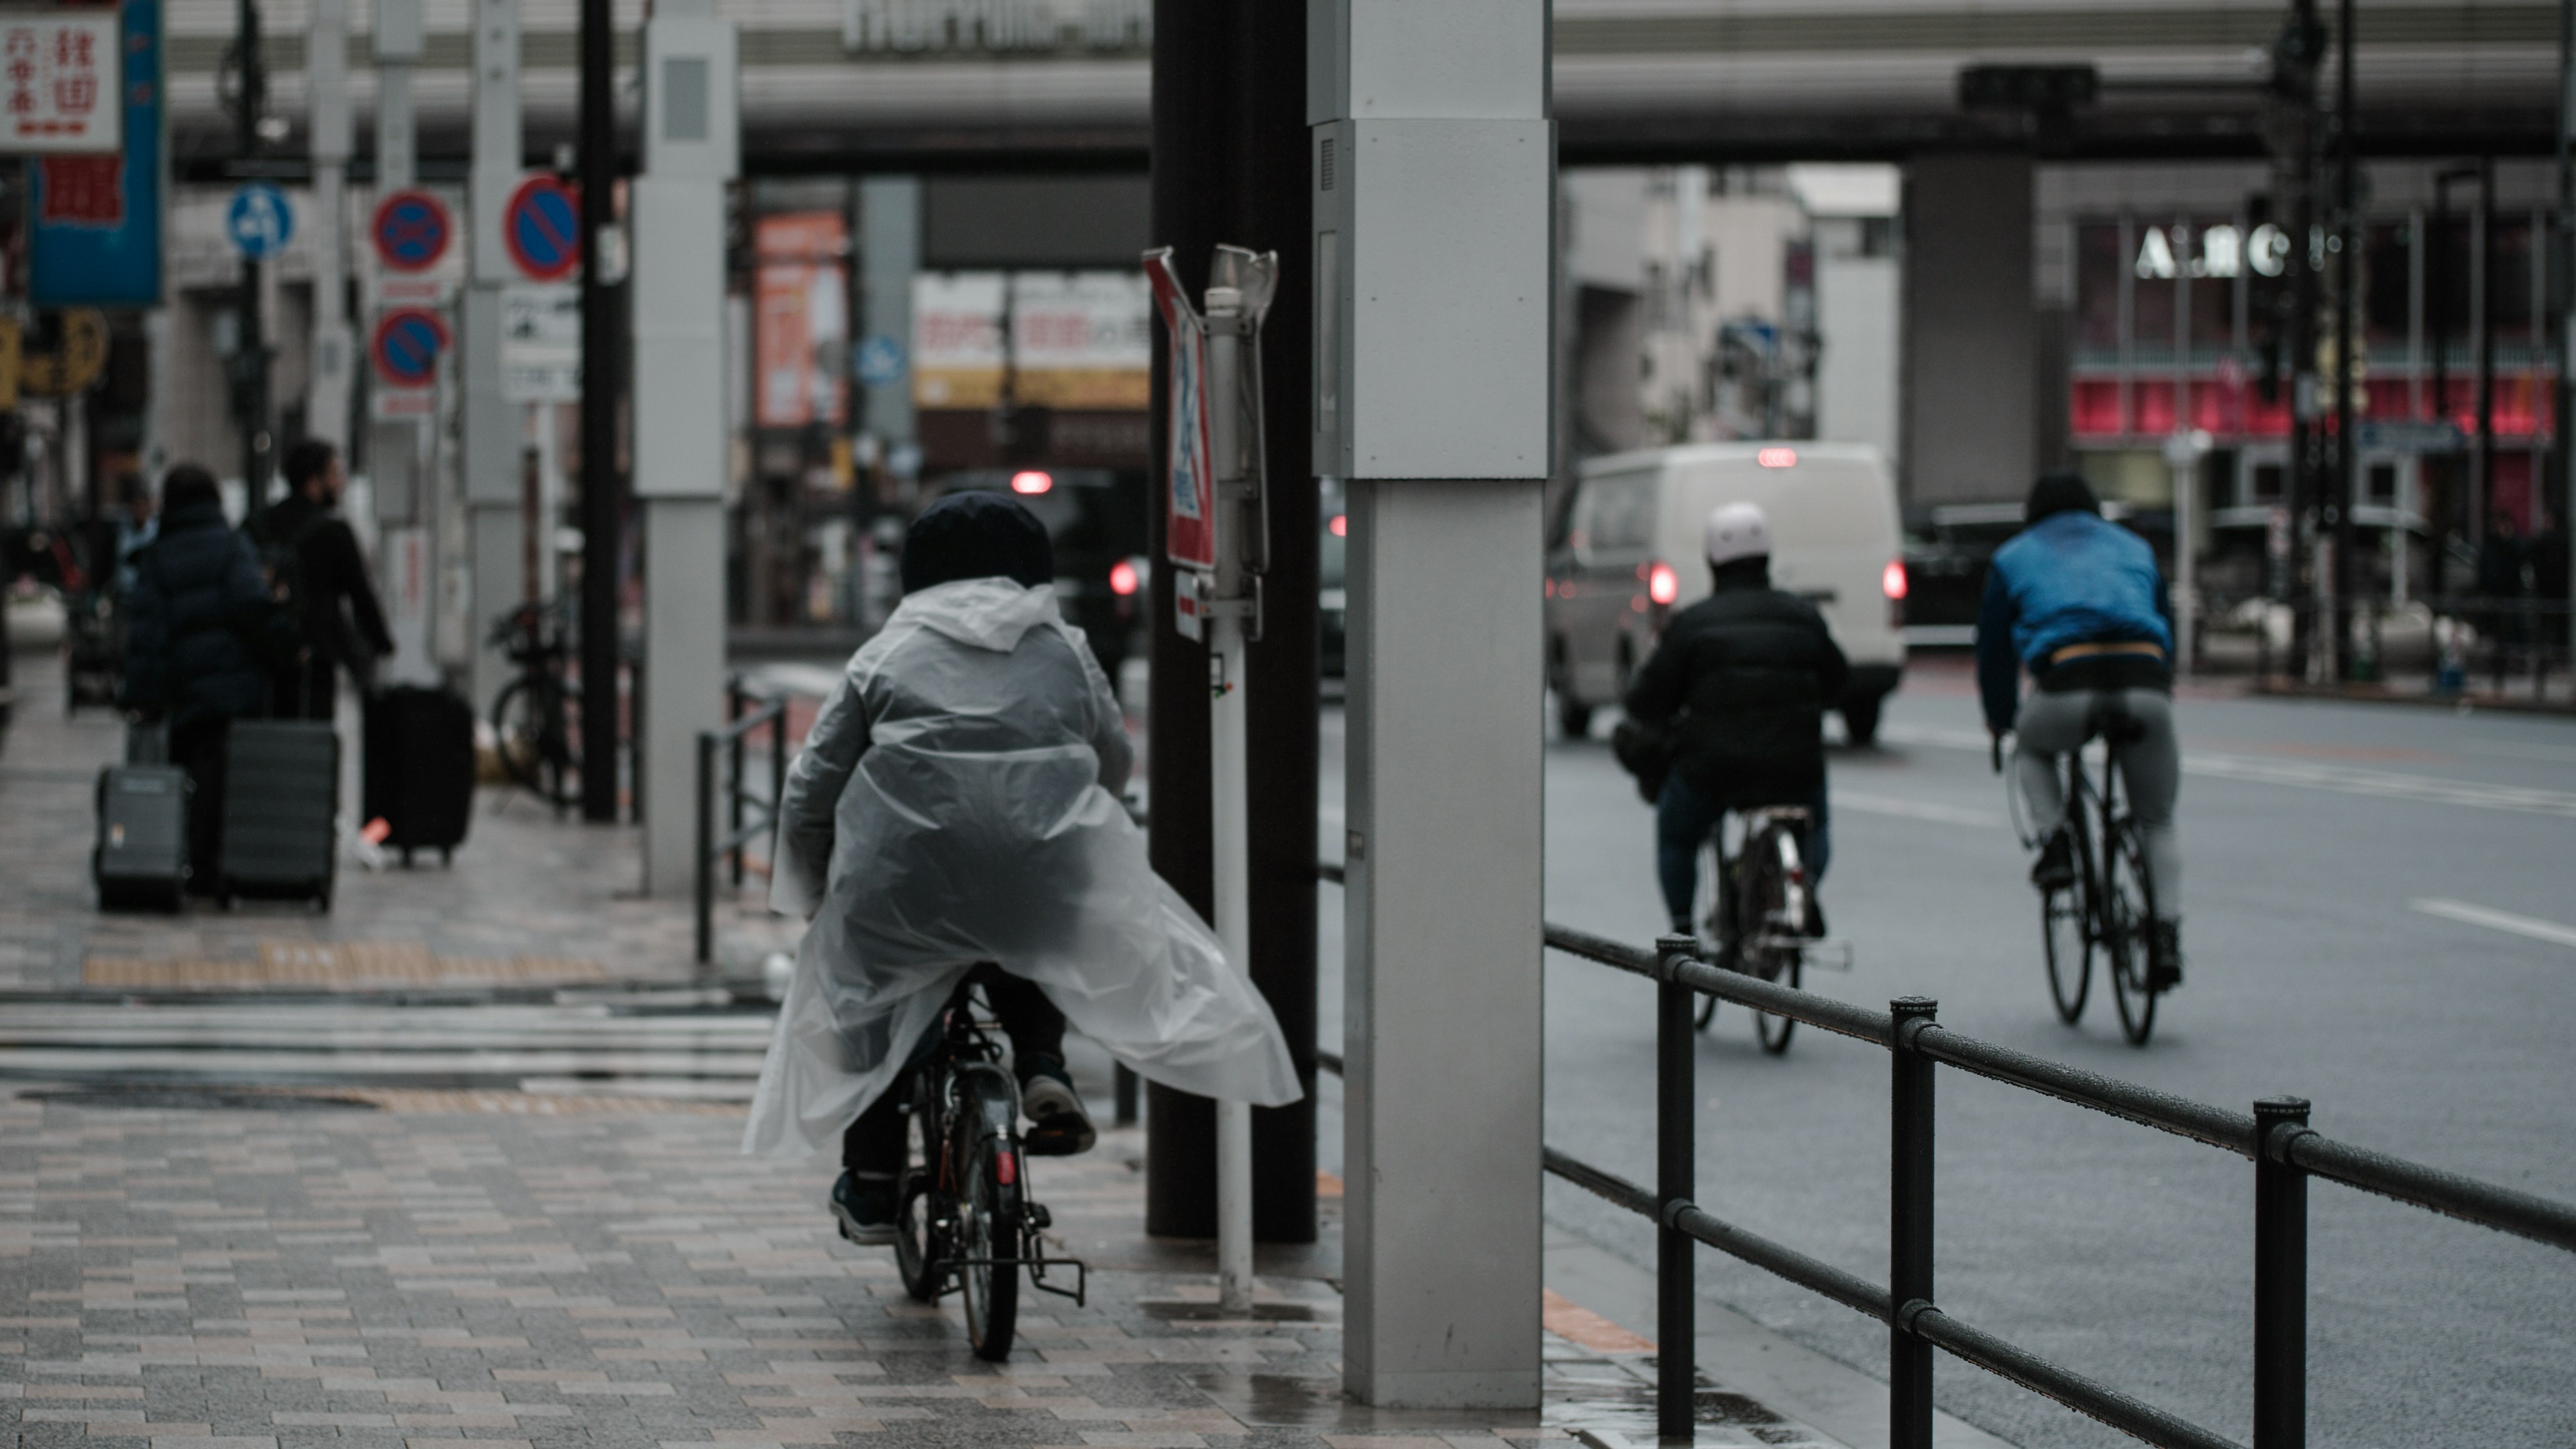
(2495, 920)
(1870, 804)
(2343, 779)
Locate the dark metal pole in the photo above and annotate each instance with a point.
(1676, 1083)
(2483, 500)
(602, 505)
(1909, 1217)
(777, 779)
(251, 382)
(2303, 338)
(1188, 186)
(734, 749)
(1123, 1081)
(2348, 231)
(2280, 1277)
(706, 852)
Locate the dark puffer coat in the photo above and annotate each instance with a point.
(202, 626)
(1742, 679)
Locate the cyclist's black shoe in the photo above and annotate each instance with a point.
(1058, 1125)
(2056, 868)
(1815, 925)
(864, 1209)
(2164, 955)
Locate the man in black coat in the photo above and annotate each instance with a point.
(200, 635)
(1740, 680)
(310, 547)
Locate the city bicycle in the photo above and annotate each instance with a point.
(535, 719)
(1757, 915)
(2108, 907)
(965, 1220)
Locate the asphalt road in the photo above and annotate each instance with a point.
(2381, 916)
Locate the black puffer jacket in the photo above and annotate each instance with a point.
(1742, 680)
(199, 638)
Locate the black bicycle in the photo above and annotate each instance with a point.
(2110, 905)
(535, 720)
(1757, 917)
(965, 1221)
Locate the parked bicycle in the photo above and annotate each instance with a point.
(2108, 905)
(536, 718)
(965, 1221)
(1758, 917)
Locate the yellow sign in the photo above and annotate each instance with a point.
(70, 370)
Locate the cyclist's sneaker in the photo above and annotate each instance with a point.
(865, 1208)
(2056, 868)
(1058, 1125)
(2164, 955)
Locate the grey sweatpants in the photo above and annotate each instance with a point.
(2150, 769)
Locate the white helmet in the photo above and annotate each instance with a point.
(1736, 531)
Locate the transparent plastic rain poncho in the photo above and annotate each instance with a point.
(955, 803)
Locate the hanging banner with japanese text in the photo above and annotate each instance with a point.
(94, 233)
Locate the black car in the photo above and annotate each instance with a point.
(1096, 517)
(1946, 551)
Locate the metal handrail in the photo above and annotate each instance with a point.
(2285, 1152)
(748, 816)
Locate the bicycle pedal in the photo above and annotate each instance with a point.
(1040, 1218)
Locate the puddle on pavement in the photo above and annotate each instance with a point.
(196, 1099)
(1613, 1406)
(1184, 1310)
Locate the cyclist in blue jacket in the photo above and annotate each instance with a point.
(2079, 602)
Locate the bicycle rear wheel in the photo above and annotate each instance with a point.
(534, 739)
(920, 1242)
(2128, 904)
(988, 1238)
(1764, 916)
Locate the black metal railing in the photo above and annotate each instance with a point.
(2275, 1136)
(2496, 647)
(748, 816)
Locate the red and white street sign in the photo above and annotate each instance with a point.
(62, 87)
(411, 231)
(1189, 493)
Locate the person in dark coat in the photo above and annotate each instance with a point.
(342, 625)
(1741, 680)
(200, 634)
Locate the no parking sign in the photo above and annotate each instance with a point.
(541, 227)
(411, 231)
(408, 341)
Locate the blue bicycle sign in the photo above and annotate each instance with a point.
(259, 221)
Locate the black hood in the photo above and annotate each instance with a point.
(976, 536)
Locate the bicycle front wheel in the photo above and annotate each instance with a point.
(2128, 904)
(988, 1242)
(920, 1240)
(535, 740)
(2070, 949)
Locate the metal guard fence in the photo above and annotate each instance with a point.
(748, 816)
(2275, 1137)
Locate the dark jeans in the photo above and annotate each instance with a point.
(198, 748)
(1683, 820)
(873, 1145)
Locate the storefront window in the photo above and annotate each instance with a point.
(2099, 270)
(2154, 264)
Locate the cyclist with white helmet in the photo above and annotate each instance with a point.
(1739, 683)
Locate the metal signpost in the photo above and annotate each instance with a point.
(1218, 545)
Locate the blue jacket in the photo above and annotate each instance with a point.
(2071, 578)
(202, 626)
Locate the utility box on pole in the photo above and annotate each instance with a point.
(1434, 200)
(676, 215)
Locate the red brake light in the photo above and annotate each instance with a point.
(1777, 457)
(1341, 525)
(1891, 580)
(1663, 585)
(1122, 578)
(1032, 481)
(1006, 1168)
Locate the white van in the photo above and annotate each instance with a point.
(1626, 554)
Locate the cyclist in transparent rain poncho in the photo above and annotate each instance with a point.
(955, 807)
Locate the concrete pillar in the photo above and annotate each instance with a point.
(1971, 342)
(889, 254)
(1434, 177)
(495, 429)
(398, 461)
(677, 210)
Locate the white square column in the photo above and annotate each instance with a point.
(676, 215)
(495, 429)
(1433, 174)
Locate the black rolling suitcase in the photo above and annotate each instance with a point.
(281, 804)
(141, 856)
(419, 768)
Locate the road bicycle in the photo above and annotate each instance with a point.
(1757, 917)
(2110, 905)
(965, 1220)
(535, 718)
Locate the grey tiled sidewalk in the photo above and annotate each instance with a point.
(412, 1279)
(524, 885)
